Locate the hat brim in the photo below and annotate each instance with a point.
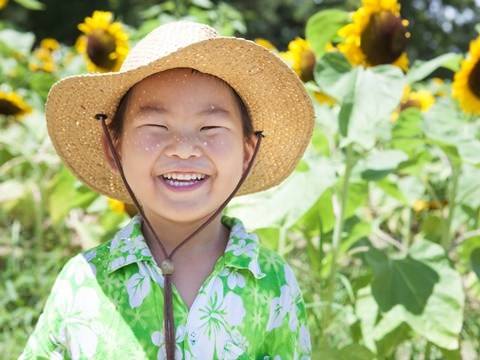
(275, 97)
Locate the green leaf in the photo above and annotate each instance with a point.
(475, 261)
(286, 203)
(421, 69)
(441, 320)
(468, 192)
(64, 196)
(11, 190)
(21, 42)
(31, 4)
(392, 189)
(365, 110)
(432, 227)
(205, 4)
(379, 164)
(445, 125)
(319, 219)
(405, 282)
(323, 26)
(349, 352)
(407, 134)
(334, 75)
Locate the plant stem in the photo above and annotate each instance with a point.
(337, 234)
(452, 194)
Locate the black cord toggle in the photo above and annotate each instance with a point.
(259, 132)
(101, 116)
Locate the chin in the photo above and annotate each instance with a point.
(182, 213)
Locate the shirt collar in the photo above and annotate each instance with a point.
(129, 246)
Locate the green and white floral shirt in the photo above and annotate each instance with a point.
(107, 303)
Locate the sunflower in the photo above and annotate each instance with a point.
(377, 35)
(265, 43)
(12, 104)
(104, 43)
(3, 3)
(423, 205)
(421, 99)
(116, 205)
(43, 56)
(323, 98)
(466, 82)
(301, 58)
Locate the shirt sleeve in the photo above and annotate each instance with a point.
(45, 340)
(288, 336)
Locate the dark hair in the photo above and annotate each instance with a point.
(116, 125)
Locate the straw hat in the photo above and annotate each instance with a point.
(273, 94)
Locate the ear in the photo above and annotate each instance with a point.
(108, 154)
(249, 148)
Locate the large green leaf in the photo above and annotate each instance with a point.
(379, 164)
(407, 282)
(445, 125)
(322, 28)
(475, 261)
(18, 41)
(407, 134)
(468, 192)
(285, 204)
(349, 352)
(65, 193)
(441, 319)
(334, 75)
(421, 69)
(382, 341)
(366, 109)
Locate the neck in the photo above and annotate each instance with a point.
(211, 239)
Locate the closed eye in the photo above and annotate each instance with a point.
(157, 125)
(210, 127)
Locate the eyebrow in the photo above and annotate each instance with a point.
(158, 108)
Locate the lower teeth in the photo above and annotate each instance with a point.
(181, 183)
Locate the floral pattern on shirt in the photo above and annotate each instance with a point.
(107, 303)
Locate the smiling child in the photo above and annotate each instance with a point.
(195, 118)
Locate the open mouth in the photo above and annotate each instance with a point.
(183, 181)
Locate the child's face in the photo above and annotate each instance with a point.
(178, 123)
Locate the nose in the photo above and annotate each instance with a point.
(183, 147)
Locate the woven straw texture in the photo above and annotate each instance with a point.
(274, 95)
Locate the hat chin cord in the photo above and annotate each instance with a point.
(167, 265)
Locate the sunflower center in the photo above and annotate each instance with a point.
(307, 65)
(474, 80)
(100, 44)
(384, 38)
(410, 103)
(8, 108)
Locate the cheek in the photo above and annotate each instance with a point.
(224, 145)
(225, 149)
(144, 143)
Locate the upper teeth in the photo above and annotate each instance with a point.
(178, 176)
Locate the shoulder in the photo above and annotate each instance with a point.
(277, 270)
(99, 257)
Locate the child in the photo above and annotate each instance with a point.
(194, 119)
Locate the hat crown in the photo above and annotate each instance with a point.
(166, 39)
